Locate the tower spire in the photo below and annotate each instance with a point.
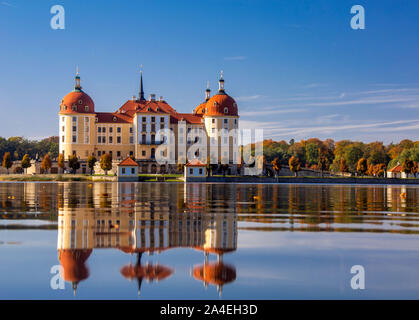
(207, 92)
(141, 96)
(221, 83)
(77, 85)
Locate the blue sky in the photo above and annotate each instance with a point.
(296, 68)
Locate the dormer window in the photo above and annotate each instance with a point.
(114, 119)
(64, 107)
(80, 101)
(215, 103)
(96, 119)
(74, 107)
(86, 108)
(225, 110)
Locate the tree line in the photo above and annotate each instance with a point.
(373, 159)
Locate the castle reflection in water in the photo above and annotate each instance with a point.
(139, 218)
(125, 217)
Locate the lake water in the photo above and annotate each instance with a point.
(207, 241)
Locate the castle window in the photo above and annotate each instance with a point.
(131, 153)
(131, 140)
(118, 139)
(63, 128)
(225, 120)
(114, 119)
(153, 127)
(74, 119)
(74, 139)
(143, 153)
(123, 170)
(104, 129)
(153, 139)
(118, 129)
(162, 119)
(161, 125)
(74, 107)
(103, 139)
(99, 139)
(143, 139)
(65, 107)
(213, 120)
(110, 139)
(62, 139)
(130, 130)
(86, 108)
(80, 101)
(110, 130)
(118, 153)
(153, 119)
(144, 128)
(226, 110)
(144, 119)
(96, 119)
(99, 129)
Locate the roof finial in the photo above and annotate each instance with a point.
(77, 70)
(221, 75)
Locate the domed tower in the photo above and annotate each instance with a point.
(221, 117)
(77, 120)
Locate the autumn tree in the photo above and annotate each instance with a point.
(91, 162)
(26, 162)
(362, 166)
(73, 163)
(7, 161)
(276, 165)
(106, 162)
(408, 166)
(46, 163)
(60, 162)
(294, 165)
(380, 170)
(323, 164)
(342, 166)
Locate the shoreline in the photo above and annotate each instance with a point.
(212, 179)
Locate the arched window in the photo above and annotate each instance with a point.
(80, 101)
(153, 153)
(225, 110)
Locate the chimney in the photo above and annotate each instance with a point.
(152, 97)
(134, 98)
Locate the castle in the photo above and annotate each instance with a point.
(136, 129)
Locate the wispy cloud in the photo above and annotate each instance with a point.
(235, 58)
(271, 111)
(8, 4)
(248, 98)
(315, 85)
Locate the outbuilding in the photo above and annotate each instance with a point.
(195, 170)
(128, 170)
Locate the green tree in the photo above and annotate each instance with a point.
(46, 163)
(106, 162)
(26, 162)
(294, 165)
(60, 162)
(7, 161)
(91, 162)
(312, 153)
(73, 163)
(362, 166)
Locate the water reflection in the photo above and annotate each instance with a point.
(126, 217)
(144, 220)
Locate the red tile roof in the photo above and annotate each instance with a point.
(397, 168)
(128, 162)
(195, 163)
(113, 117)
